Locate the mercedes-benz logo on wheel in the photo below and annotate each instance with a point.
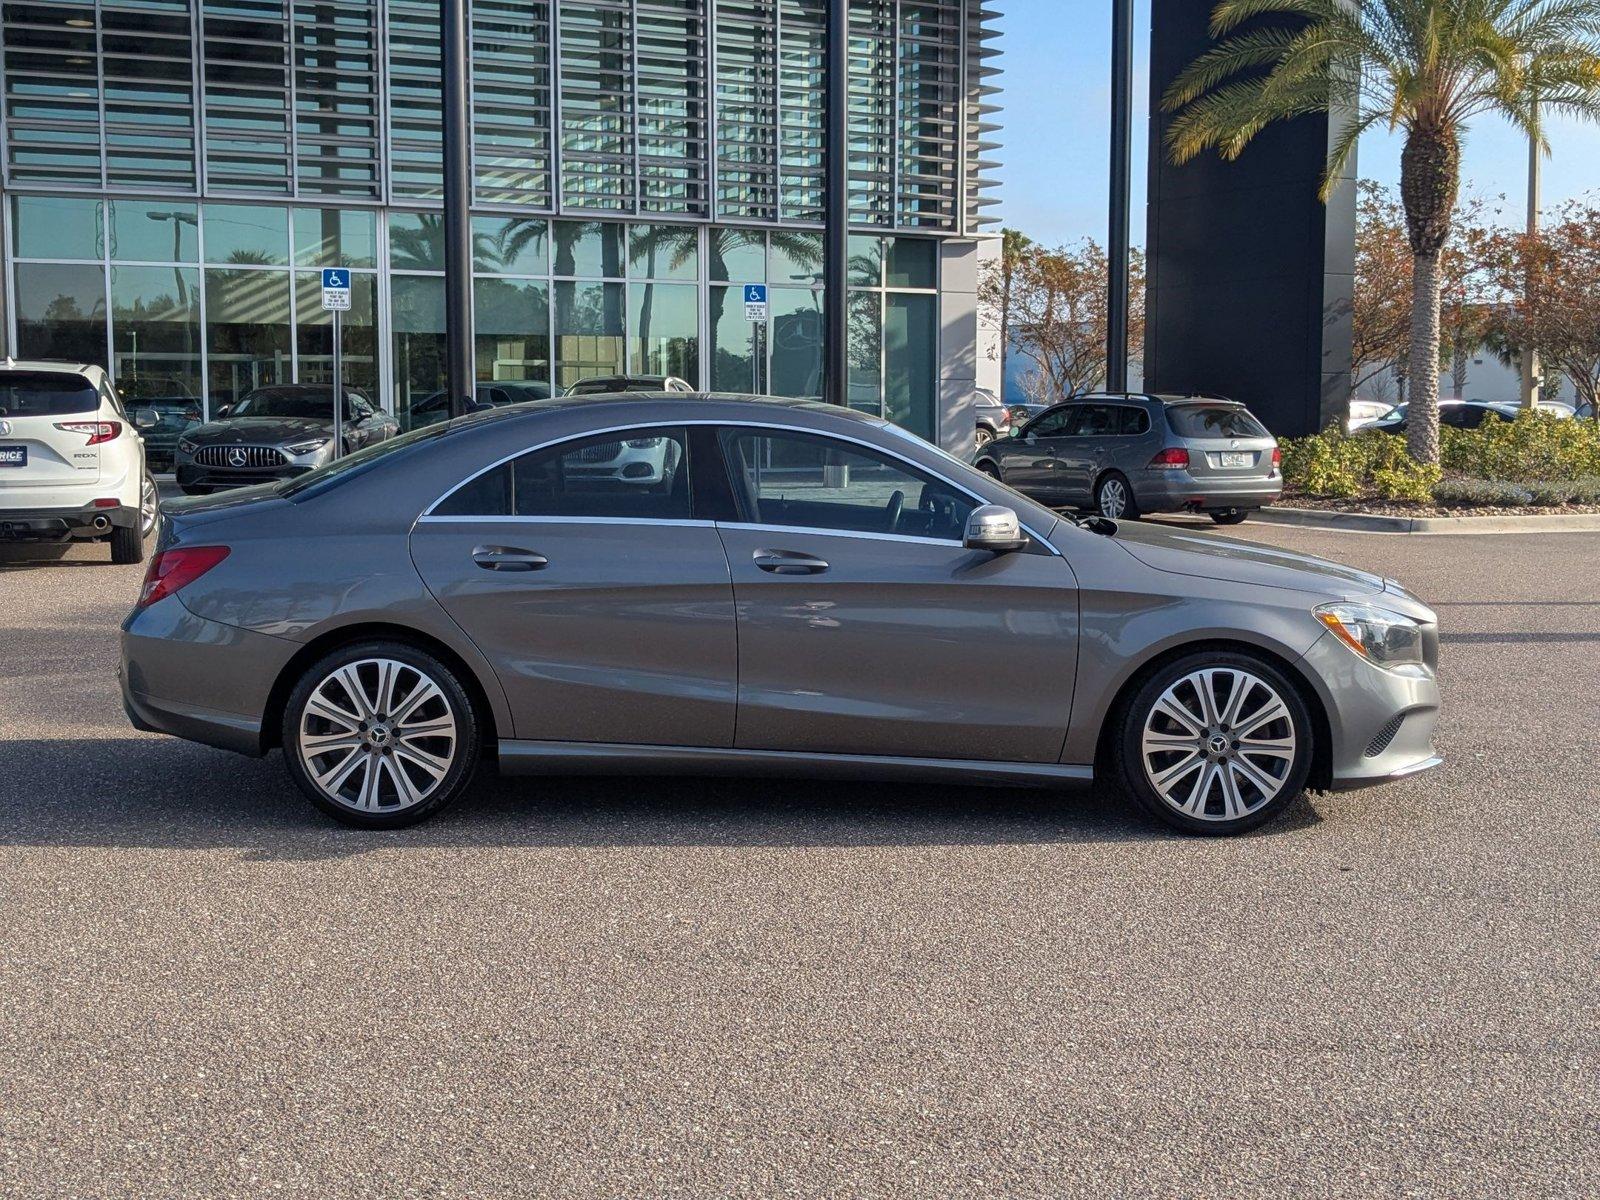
(237, 457)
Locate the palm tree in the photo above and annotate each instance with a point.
(1013, 245)
(1427, 67)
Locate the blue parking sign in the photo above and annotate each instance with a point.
(755, 302)
(336, 289)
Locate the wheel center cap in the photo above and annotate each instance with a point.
(1217, 744)
(379, 735)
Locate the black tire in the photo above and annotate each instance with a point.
(1234, 516)
(463, 744)
(1127, 757)
(127, 543)
(989, 469)
(1111, 485)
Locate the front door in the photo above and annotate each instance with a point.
(605, 608)
(866, 628)
(1033, 461)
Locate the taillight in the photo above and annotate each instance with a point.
(1277, 456)
(1174, 458)
(1005, 418)
(177, 568)
(95, 431)
(191, 414)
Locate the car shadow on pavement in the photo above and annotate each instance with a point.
(161, 793)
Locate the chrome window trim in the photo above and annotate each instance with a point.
(428, 514)
(679, 522)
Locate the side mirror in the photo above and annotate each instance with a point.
(995, 528)
(224, 412)
(146, 418)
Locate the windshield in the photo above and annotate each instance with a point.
(1213, 421)
(316, 404)
(38, 394)
(355, 464)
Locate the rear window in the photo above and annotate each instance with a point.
(38, 394)
(1213, 421)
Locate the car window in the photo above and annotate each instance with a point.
(1056, 422)
(823, 483)
(639, 474)
(1131, 422)
(45, 394)
(1213, 421)
(1096, 420)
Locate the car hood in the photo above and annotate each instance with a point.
(1207, 556)
(261, 430)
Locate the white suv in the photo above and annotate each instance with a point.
(72, 465)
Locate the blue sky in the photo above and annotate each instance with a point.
(1055, 55)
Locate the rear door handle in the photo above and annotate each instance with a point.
(508, 558)
(789, 562)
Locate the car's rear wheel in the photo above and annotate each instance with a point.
(380, 735)
(1113, 497)
(984, 436)
(1234, 516)
(127, 544)
(1215, 743)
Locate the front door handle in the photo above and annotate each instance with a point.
(508, 558)
(788, 562)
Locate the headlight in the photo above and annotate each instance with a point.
(187, 446)
(1378, 635)
(307, 447)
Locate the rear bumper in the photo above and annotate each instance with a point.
(1171, 491)
(63, 524)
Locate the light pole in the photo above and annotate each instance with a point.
(457, 136)
(1117, 241)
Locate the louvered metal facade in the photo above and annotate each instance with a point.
(697, 110)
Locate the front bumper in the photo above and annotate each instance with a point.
(1173, 491)
(64, 524)
(1382, 723)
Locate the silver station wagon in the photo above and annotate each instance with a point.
(782, 587)
(1123, 455)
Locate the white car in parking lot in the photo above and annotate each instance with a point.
(72, 464)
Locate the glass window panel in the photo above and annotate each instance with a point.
(61, 312)
(247, 332)
(737, 255)
(510, 245)
(911, 263)
(644, 476)
(512, 332)
(795, 316)
(588, 331)
(796, 258)
(664, 252)
(663, 330)
(738, 353)
(56, 227)
(866, 260)
(358, 333)
(864, 352)
(588, 249)
(247, 234)
(821, 483)
(417, 304)
(910, 337)
(416, 241)
(155, 341)
(154, 232)
(332, 237)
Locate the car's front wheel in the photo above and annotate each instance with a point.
(1215, 743)
(380, 735)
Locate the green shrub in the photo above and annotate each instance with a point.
(1575, 491)
(1489, 493)
(1326, 464)
(1537, 446)
(1406, 480)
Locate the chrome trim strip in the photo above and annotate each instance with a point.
(427, 513)
(527, 757)
(556, 520)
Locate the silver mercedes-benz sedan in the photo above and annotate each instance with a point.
(790, 588)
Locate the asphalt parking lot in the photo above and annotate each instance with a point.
(690, 988)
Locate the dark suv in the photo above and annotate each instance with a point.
(1127, 454)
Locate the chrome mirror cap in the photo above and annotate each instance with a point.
(995, 528)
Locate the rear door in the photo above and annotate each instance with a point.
(51, 431)
(1225, 442)
(865, 627)
(605, 606)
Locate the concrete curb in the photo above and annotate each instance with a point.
(1317, 518)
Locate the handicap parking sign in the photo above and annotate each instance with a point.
(336, 288)
(755, 302)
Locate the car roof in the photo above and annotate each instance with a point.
(760, 405)
(58, 365)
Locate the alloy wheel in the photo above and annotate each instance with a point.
(1113, 498)
(149, 506)
(377, 736)
(1218, 744)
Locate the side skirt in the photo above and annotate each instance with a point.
(610, 758)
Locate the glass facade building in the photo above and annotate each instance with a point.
(176, 171)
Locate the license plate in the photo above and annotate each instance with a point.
(13, 456)
(1238, 458)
